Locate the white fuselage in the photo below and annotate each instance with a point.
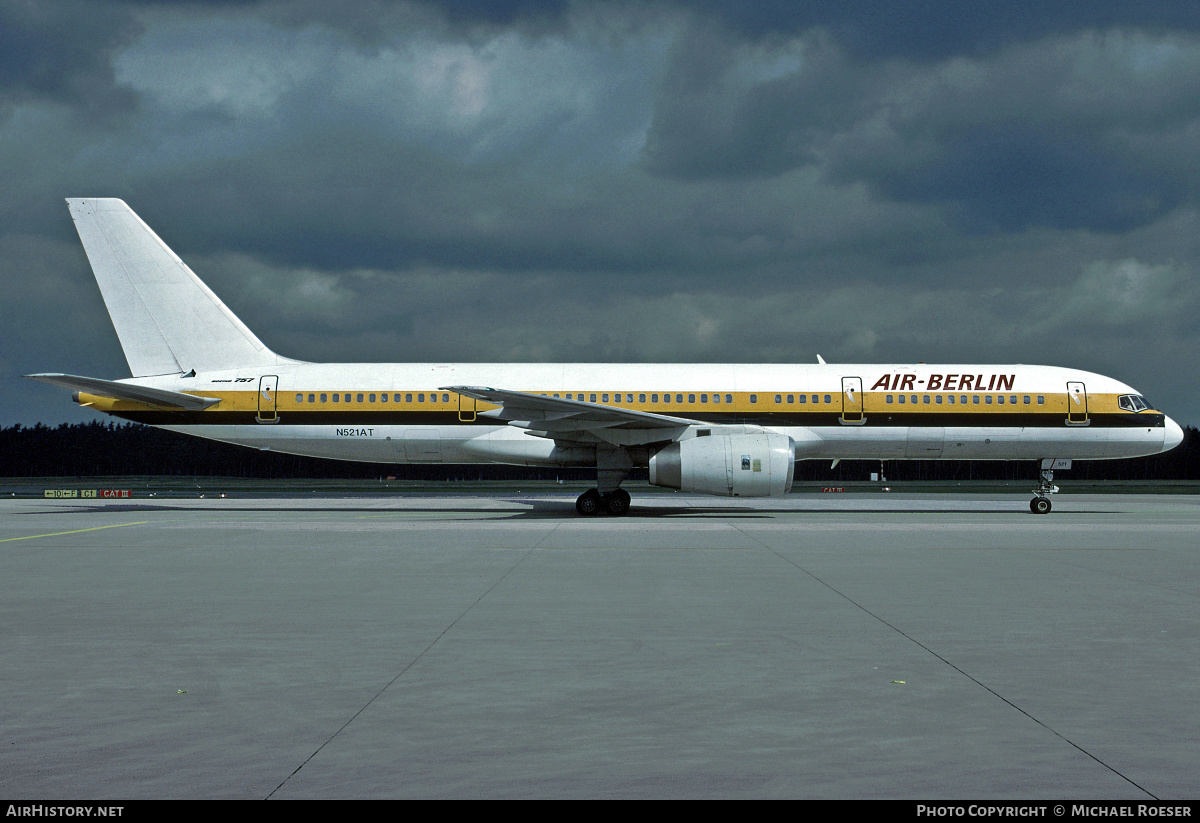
(400, 413)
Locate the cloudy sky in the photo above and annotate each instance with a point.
(875, 181)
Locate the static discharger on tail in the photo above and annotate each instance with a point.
(729, 430)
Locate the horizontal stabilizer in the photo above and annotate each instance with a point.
(128, 391)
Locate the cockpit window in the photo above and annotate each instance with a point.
(1133, 403)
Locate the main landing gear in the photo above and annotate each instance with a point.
(1041, 503)
(592, 502)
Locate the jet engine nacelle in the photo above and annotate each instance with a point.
(732, 465)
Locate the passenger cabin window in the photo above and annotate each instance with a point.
(803, 398)
(641, 398)
(312, 398)
(754, 398)
(1041, 399)
(778, 399)
(729, 398)
(322, 397)
(299, 398)
(679, 398)
(337, 398)
(889, 399)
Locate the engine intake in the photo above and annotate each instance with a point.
(733, 465)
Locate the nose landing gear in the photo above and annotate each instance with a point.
(1041, 503)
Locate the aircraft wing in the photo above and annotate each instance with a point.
(128, 391)
(558, 418)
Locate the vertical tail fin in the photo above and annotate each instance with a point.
(168, 321)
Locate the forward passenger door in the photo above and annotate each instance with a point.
(1077, 403)
(852, 401)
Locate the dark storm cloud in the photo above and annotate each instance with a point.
(502, 13)
(1014, 179)
(63, 51)
(1057, 133)
(727, 108)
(937, 29)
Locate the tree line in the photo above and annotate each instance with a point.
(111, 449)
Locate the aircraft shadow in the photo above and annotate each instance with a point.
(549, 510)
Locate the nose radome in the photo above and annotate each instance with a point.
(1173, 436)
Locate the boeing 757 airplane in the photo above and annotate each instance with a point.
(731, 430)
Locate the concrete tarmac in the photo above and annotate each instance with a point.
(845, 646)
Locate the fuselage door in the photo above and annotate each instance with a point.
(466, 408)
(852, 400)
(1076, 403)
(267, 386)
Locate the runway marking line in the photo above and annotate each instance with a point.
(73, 531)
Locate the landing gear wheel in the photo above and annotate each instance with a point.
(588, 503)
(1040, 504)
(617, 503)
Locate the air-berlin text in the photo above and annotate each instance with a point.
(946, 382)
